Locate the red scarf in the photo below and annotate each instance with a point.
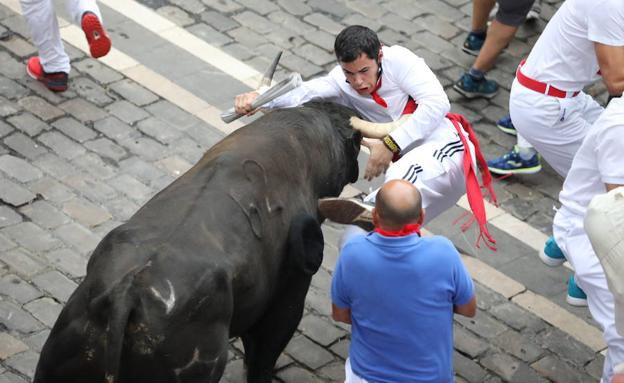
(405, 230)
(473, 189)
(378, 99)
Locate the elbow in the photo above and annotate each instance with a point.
(614, 84)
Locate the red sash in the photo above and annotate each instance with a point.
(405, 230)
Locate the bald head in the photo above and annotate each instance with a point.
(397, 204)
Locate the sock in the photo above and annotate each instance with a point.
(526, 153)
(476, 74)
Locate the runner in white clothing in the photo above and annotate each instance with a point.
(597, 168)
(382, 84)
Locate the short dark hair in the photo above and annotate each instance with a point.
(355, 40)
(395, 215)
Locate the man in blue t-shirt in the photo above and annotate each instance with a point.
(399, 292)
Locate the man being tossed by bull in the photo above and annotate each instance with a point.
(410, 135)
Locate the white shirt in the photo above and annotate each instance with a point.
(564, 55)
(599, 161)
(404, 74)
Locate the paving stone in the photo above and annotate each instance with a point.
(323, 40)
(52, 190)
(260, 6)
(100, 72)
(145, 147)
(68, 261)
(95, 166)
(295, 7)
(16, 319)
(25, 362)
(25, 146)
(27, 123)
(44, 214)
(218, 21)
(14, 194)
(293, 23)
(140, 169)
(238, 51)
(31, 237)
(556, 370)
(8, 217)
(191, 6)
(7, 107)
(40, 108)
(565, 346)
(487, 298)
(482, 324)
(35, 342)
(17, 24)
(91, 188)
(209, 34)
(320, 330)
(172, 115)
(10, 377)
(517, 318)
(519, 345)
(85, 212)
(176, 15)
(307, 352)
(467, 343)
(10, 346)
(82, 110)
(61, 145)
(315, 55)
(174, 165)
(323, 22)
(254, 21)
(10, 67)
(74, 129)
(19, 46)
(594, 368)
(55, 165)
(126, 112)
(234, 372)
(334, 372)
(77, 236)
(133, 92)
(297, 374)
(56, 284)
(297, 64)
(247, 37)
(159, 130)
(223, 6)
(91, 91)
(131, 187)
(13, 286)
(122, 208)
(467, 368)
(502, 364)
(106, 148)
(115, 129)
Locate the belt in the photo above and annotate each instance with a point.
(541, 87)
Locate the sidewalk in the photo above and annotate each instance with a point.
(77, 164)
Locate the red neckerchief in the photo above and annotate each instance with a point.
(378, 99)
(405, 230)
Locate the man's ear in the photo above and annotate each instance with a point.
(380, 55)
(422, 217)
(375, 217)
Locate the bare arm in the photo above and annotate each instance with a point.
(612, 186)
(468, 310)
(341, 315)
(611, 62)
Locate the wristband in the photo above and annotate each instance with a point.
(391, 144)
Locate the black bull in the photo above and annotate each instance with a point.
(228, 249)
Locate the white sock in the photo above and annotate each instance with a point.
(526, 153)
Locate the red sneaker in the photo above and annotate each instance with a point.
(99, 42)
(56, 82)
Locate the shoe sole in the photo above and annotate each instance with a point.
(41, 80)
(99, 42)
(472, 95)
(532, 170)
(347, 212)
(549, 261)
(507, 130)
(470, 51)
(578, 302)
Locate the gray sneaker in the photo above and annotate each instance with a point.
(348, 211)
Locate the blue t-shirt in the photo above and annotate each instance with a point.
(401, 292)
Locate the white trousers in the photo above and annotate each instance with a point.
(41, 18)
(589, 276)
(436, 168)
(554, 126)
(350, 376)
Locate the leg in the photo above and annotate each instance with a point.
(480, 14)
(498, 37)
(41, 19)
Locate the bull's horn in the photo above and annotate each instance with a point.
(268, 75)
(377, 130)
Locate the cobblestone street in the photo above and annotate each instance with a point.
(75, 165)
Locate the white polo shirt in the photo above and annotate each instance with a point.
(564, 54)
(404, 74)
(599, 161)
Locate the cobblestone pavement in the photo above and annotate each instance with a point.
(77, 164)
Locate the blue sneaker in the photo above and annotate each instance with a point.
(470, 87)
(473, 43)
(576, 296)
(551, 254)
(512, 163)
(506, 125)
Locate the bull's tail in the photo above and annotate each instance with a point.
(118, 302)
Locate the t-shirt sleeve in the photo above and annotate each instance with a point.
(605, 23)
(339, 290)
(609, 150)
(464, 288)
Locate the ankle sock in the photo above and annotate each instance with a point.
(476, 74)
(526, 153)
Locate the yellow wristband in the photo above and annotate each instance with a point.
(391, 145)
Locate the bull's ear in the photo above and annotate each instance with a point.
(305, 244)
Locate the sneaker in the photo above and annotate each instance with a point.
(56, 82)
(535, 11)
(506, 125)
(512, 163)
(473, 43)
(469, 87)
(99, 42)
(348, 211)
(576, 296)
(551, 254)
